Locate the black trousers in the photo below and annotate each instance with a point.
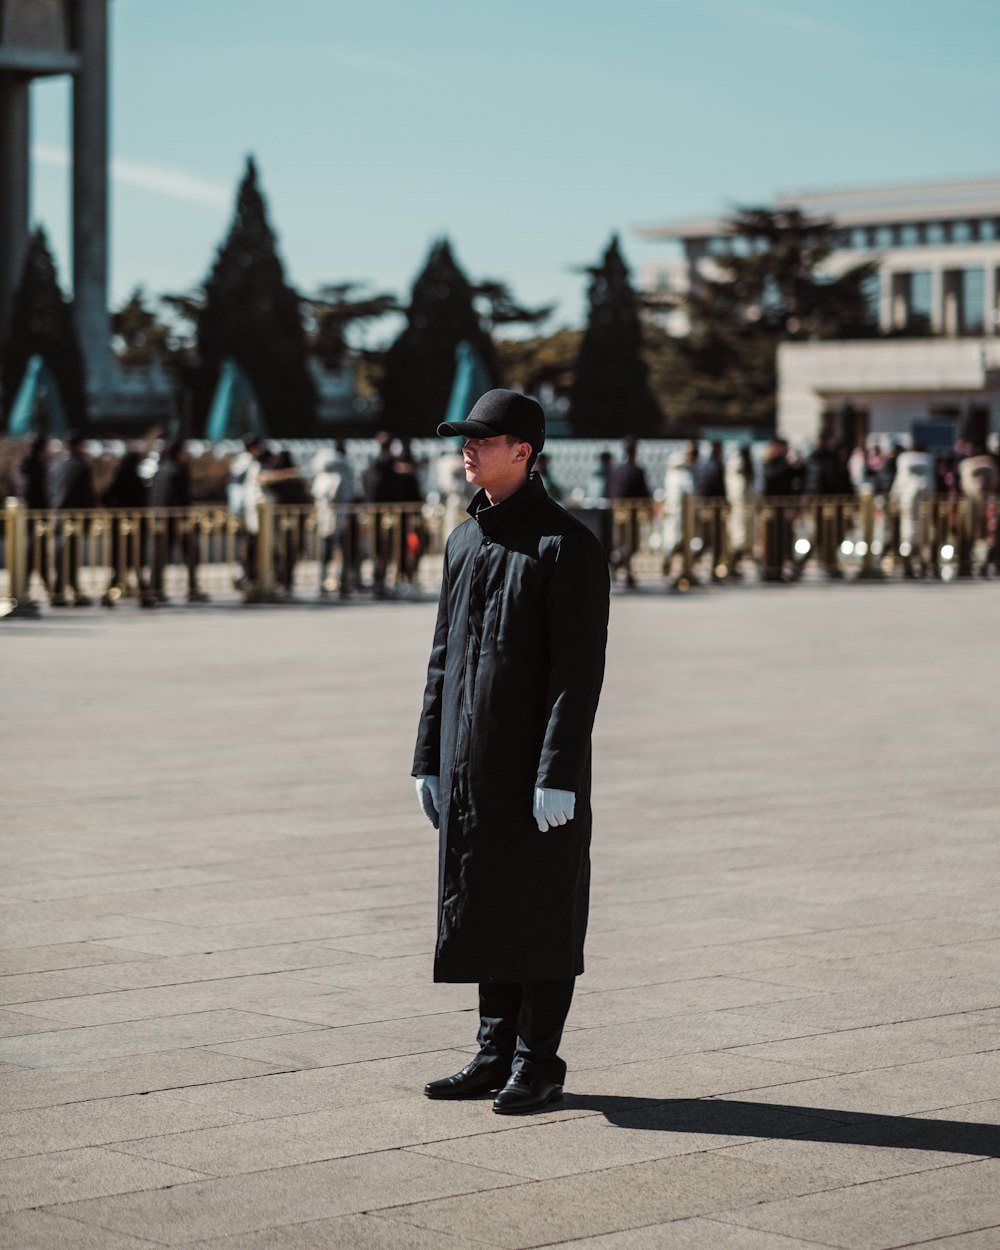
(521, 1022)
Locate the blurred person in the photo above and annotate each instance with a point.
(628, 485)
(32, 488)
(979, 480)
(781, 482)
(679, 481)
(503, 756)
(827, 478)
(127, 492)
(451, 483)
(741, 493)
(243, 466)
(282, 482)
(252, 496)
(333, 493)
(380, 487)
(409, 491)
(173, 535)
(857, 466)
(912, 493)
(71, 489)
(710, 484)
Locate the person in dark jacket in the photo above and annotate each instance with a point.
(710, 483)
(71, 489)
(171, 489)
(503, 756)
(127, 492)
(627, 483)
(33, 491)
(826, 476)
(283, 483)
(381, 485)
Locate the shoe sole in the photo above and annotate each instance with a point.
(459, 1097)
(528, 1110)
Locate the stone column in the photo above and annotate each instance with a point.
(90, 195)
(937, 299)
(14, 103)
(989, 299)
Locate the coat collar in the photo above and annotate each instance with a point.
(493, 518)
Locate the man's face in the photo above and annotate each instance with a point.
(493, 463)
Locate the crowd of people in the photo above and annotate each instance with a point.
(388, 536)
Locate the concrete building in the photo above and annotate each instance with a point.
(937, 247)
(39, 38)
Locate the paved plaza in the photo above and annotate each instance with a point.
(217, 909)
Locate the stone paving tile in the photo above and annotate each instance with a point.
(686, 1076)
(20, 990)
(186, 1069)
(653, 1002)
(886, 1045)
(272, 1199)
(970, 960)
(103, 1121)
(63, 956)
(312, 1089)
(887, 1213)
(556, 1210)
(41, 1230)
(85, 929)
(876, 939)
(694, 1234)
(16, 1024)
(356, 1232)
(116, 883)
(908, 1089)
(323, 930)
(353, 1043)
(983, 1239)
(622, 1135)
(250, 1146)
(69, 1175)
(134, 1037)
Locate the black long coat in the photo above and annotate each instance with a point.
(512, 687)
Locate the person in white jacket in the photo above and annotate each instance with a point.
(912, 485)
(333, 492)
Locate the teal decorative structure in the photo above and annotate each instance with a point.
(471, 380)
(38, 406)
(235, 410)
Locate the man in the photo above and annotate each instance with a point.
(171, 490)
(503, 755)
(71, 489)
(628, 484)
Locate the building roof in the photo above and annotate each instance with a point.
(862, 206)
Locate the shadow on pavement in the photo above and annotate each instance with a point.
(822, 1124)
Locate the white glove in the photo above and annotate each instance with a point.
(553, 807)
(429, 794)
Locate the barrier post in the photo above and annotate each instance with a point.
(17, 602)
(869, 569)
(262, 589)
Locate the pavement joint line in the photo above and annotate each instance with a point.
(903, 1245)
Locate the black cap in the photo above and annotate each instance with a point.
(502, 412)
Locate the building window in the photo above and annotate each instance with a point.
(971, 305)
(935, 232)
(920, 300)
(988, 229)
(859, 238)
(909, 236)
(961, 232)
(884, 236)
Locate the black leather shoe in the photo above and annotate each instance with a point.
(526, 1093)
(476, 1078)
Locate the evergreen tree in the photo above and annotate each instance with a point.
(419, 368)
(250, 313)
(771, 289)
(41, 324)
(610, 394)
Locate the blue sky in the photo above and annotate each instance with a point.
(528, 131)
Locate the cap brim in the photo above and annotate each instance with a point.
(466, 429)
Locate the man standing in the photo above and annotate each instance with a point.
(503, 755)
(71, 489)
(628, 485)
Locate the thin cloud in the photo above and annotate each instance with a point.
(368, 62)
(174, 184)
(787, 19)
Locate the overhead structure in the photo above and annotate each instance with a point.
(235, 410)
(38, 39)
(38, 406)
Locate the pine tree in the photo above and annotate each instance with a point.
(771, 289)
(610, 394)
(250, 314)
(41, 324)
(419, 367)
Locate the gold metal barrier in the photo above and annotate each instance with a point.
(154, 555)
